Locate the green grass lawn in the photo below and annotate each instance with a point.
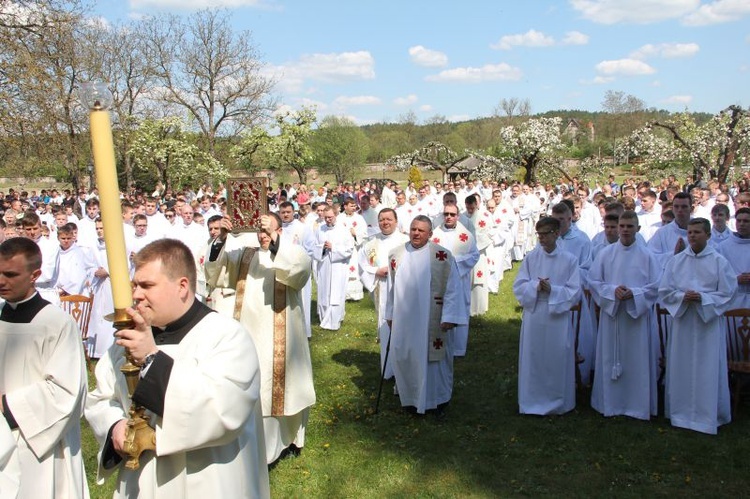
(483, 448)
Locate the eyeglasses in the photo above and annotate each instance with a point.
(545, 233)
(450, 214)
(169, 216)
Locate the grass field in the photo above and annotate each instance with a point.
(483, 448)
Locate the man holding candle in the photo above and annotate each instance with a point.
(200, 385)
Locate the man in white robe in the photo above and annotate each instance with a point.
(332, 249)
(200, 385)
(482, 223)
(422, 308)
(101, 330)
(459, 240)
(42, 383)
(696, 289)
(357, 227)
(76, 267)
(670, 239)
(373, 271)
(300, 234)
(46, 283)
(578, 244)
(736, 249)
(624, 282)
(268, 281)
(548, 284)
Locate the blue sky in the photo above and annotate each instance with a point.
(375, 61)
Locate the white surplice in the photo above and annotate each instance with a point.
(663, 241)
(546, 361)
(43, 377)
(626, 353)
(463, 247)
(697, 385)
(101, 331)
(357, 227)
(332, 271)
(301, 234)
(411, 306)
(209, 441)
(372, 256)
(737, 252)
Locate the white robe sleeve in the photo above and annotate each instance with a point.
(209, 399)
(10, 470)
(366, 271)
(563, 296)
(292, 266)
(43, 409)
(525, 288)
(455, 310)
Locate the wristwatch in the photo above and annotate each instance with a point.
(147, 361)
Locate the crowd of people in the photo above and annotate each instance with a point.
(222, 321)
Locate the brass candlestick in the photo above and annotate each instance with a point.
(139, 436)
(97, 98)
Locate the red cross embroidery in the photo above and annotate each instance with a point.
(497, 221)
(351, 269)
(420, 209)
(354, 224)
(480, 274)
(482, 223)
(464, 237)
(393, 263)
(436, 240)
(505, 211)
(441, 255)
(437, 344)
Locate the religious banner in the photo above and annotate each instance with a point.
(247, 200)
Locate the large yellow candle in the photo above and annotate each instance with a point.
(103, 151)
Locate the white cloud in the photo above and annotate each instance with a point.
(599, 80)
(575, 38)
(426, 108)
(678, 99)
(329, 68)
(624, 67)
(666, 50)
(358, 100)
(531, 38)
(422, 56)
(488, 72)
(634, 11)
(405, 101)
(191, 4)
(720, 11)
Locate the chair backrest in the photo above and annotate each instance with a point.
(79, 307)
(738, 334)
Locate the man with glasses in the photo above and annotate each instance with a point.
(460, 241)
(548, 284)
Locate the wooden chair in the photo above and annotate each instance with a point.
(79, 307)
(738, 350)
(663, 321)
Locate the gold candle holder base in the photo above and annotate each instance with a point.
(139, 436)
